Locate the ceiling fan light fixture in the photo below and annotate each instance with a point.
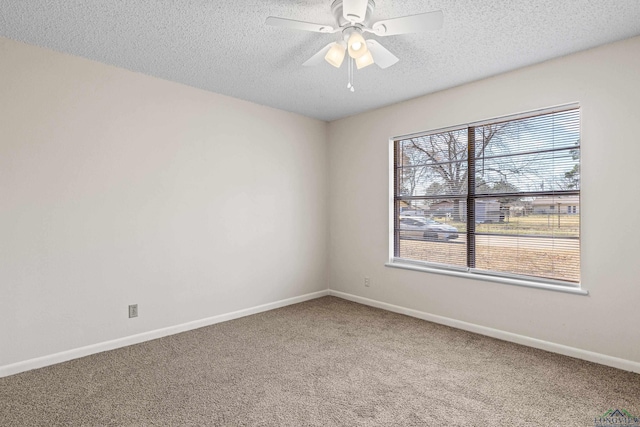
(335, 55)
(365, 60)
(357, 45)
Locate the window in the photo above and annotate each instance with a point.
(499, 197)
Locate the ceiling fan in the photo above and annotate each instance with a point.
(352, 19)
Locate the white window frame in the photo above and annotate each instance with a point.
(505, 278)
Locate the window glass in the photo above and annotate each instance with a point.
(511, 208)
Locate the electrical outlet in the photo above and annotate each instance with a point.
(367, 282)
(133, 310)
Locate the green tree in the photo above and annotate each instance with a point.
(505, 187)
(572, 178)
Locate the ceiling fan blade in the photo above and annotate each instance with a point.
(299, 25)
(409, 24)
(354, 10)
(381, 56)
(318, 57)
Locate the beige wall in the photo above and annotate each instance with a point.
(606, 83)
(118, 188)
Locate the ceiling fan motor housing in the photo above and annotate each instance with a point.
(337, 11)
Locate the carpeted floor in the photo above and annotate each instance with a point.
(326, 362)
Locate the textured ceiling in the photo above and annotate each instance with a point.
(225, 46)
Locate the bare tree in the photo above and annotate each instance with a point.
(442, 160)
(411, 175)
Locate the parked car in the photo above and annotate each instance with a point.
(420, 227)
(412, 212)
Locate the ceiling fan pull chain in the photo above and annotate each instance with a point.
(348, 73)
(350, 68)
(353, 65)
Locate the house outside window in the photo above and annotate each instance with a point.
(500, 197)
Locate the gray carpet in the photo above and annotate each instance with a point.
(326, 362)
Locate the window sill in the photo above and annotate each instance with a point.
(476, 276)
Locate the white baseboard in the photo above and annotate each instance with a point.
(603, 359)
(64, 356)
